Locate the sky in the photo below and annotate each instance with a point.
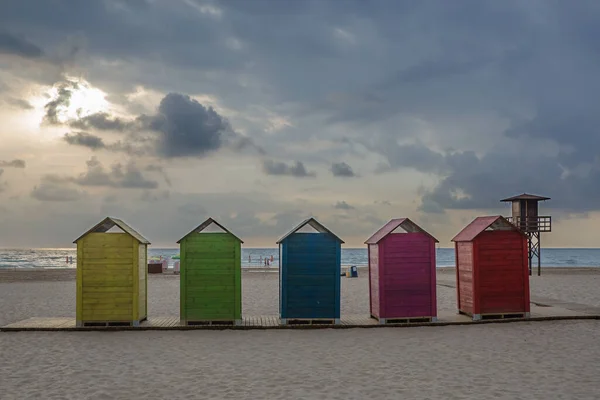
(263, 113)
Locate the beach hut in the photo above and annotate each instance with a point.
(309, 278)
(210, 276)
(492, 278)
(402, 285)
(111, 275)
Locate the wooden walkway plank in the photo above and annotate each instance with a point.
(273, 322)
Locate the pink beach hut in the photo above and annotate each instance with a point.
(402, 273)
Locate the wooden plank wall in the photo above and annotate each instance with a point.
(408, 268)
(143, 280)
(210, 277)
(106, 277)
(374, 281)
(464, 273)
(503, 287)
(311, 276)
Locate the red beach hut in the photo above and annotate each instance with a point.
(402, 273)
(492, 278)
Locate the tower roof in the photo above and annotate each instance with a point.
(526, 196)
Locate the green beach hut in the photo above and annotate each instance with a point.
(211, 276)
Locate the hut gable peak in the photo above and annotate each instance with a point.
(312, 223)
(405, 224)
(482, 224)
(109, 223)
(206, 225)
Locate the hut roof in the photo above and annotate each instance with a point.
(205, 225)
(526, 196)
(481, 224)
(108, 223)
(314, 224)
(388, 228)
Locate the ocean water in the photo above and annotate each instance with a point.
(57, 258)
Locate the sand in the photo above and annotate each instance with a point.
(542, 360)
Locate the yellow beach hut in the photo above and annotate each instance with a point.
(111, 275)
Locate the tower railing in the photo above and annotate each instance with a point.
(532, 224)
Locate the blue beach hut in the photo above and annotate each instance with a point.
(309, 276)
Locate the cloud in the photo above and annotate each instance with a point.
(16, 163)
(192, 210)
(410, 155)
(50, 191)
(187, 128)
(127, 176)
(155, 196)
(11, 44)
(63, 100)
(95, 142)
(182, 127)
(160, 170)
(19, 103)
(85, 139)
(298, 170)
(100, 121)
(342, 169)
(244, 142)
(342, 205)
(2, 184)
(119, 176)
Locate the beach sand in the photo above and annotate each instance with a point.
(542, 360)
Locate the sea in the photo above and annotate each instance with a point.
(255, 258)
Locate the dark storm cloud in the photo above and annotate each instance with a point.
(342, 169)
(16, 163)
(17, 45)
(472, 182)
(297, 169)
(182, 127)
(187, 128)
(525, 72)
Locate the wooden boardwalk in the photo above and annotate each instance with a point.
(539, 312)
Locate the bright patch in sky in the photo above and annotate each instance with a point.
(85, 100)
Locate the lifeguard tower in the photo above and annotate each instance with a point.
(525, 215)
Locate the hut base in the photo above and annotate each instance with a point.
(310, 321)
(81, 324)
(405, 320)
(511, 315)
(228, 322)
